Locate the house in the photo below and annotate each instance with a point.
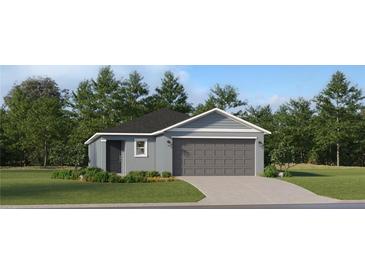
(211, 143)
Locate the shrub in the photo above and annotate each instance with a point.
(287, 173)
(63, 174)
(135, 178)
(166, 174)
(140, 173)
(114, 178)
(152, 173)
(101, 177)
(270, 171)
(89, 174)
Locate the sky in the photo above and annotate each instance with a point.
(259, 85)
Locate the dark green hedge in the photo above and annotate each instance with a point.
(93, 174)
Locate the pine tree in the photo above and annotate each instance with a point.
(171, 94)
(338, 107)
(131, 96)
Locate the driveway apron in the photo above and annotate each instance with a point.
(238, 190)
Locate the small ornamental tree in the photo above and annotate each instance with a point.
(283, 156)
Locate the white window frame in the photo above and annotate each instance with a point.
(145, 147)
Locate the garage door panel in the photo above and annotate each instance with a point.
(239, 171)
(199, 162)
(228, 162)
(249, 172)
(249, 163)
(219, 162)
(188, 162)
(218, 157)
(199, 171)
(239, 162)
(189, 171)
(209, 171)
(209, 162)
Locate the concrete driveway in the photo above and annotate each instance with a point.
(243, 190)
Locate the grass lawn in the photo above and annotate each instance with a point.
(344, 183)
(25, 187)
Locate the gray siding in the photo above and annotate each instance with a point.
(97, 153)
(140, 163)
(164, 153)
(215, 120)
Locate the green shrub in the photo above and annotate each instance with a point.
(93, 174)
(134, 178)
(89, 174)
(287, 173)
(101, 177)
(140, 173)
(152, 173)
(114, 178)
(270, 171)
(62, 174)
(166, 174)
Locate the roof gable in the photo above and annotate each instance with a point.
(244, 122)
(215, 120)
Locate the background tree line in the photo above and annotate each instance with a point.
(44, 125)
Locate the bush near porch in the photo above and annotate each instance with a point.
(98, 175)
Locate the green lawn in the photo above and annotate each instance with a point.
(21, 187)
(344, 183)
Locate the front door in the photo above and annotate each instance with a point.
(114, 156)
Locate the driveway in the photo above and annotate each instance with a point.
(244, 190)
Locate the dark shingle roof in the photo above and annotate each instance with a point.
(150, 122)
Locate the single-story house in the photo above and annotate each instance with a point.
(211, 143)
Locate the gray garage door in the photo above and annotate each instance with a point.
(213, 157)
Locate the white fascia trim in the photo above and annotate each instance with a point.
(115, 134)
(255, 156)
(215, 130)
(211, 137)
(145, 147)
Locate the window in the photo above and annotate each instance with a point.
(140, 147)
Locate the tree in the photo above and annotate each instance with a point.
(283, 155)
(171, 94)
(295, 124)
(36, 117)
(221, 97)
(8, 155)
(338, 108)
(130, 98)
(104, 89)
(263, 116)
